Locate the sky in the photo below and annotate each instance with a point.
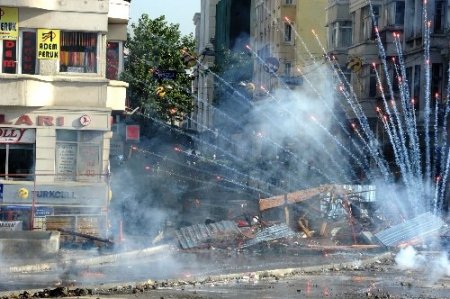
(176, 11)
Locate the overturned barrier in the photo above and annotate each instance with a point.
(28, 244)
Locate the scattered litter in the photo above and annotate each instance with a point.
(271, 233)
(203, 234)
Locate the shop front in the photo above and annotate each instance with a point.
(54, 169)
(51, 207)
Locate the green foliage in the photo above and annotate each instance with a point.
(154, 45)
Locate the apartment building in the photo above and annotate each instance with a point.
(284, 42)
(60, 65)
(203, 85)
(352, 39)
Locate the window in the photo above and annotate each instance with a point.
(114, 60)
(396, 13)
(78, 155)
(416, 84)
(436, 78)
(439, 16)
(399, 13)
(373, 82)
(287, 33)
(17, 156)
(369, 22)
(342, 34)
(78, 52)
(288, 2)
(287, 68)
(395, 82)
(19, 56)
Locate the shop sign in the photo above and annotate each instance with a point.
(9, 22)
(133, 133)
(89, 195)
(9, 57)
(28, 52)
(43, 211)
(165, 74)
(10, 225)
(17, 135)
(39, 211)
(48, 44)
(41, 120)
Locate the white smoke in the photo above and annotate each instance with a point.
(410, 259)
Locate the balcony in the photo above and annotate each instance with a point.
(119, 11)
(116, 95)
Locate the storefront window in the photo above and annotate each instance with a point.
(17, 157)
(78, 155)
(78, 52)
(113, 60)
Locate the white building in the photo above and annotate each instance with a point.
(59, 84)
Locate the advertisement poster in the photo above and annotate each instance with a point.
(48, 44)
(133, 133)
(9, 23)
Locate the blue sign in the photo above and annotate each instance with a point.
(38, 212)
(1, 191)
(43, 211)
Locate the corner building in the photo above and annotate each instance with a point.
(60, 63)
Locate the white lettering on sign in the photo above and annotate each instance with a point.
(10, 225)
(17, 135)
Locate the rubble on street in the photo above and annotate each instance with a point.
(327, 218)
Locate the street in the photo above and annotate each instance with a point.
(221, 274)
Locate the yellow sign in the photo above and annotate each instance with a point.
(354, 64)
(48, 44)
(9, 22)
(23, 193)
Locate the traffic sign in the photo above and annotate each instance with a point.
(354, 64)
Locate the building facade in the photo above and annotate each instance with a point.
(61, 62)
(283, 41)
(203, 85)
(353, 41)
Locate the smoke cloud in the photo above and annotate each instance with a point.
(436, 267)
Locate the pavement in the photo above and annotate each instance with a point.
(374, 277)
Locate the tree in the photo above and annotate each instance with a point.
(155, 69)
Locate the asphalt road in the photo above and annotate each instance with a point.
(228, 274)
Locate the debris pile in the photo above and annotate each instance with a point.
(327, 217)
(275, 232)
(201, 235)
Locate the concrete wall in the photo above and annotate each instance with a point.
(311, 15)
(28, 244)
(27, 90)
